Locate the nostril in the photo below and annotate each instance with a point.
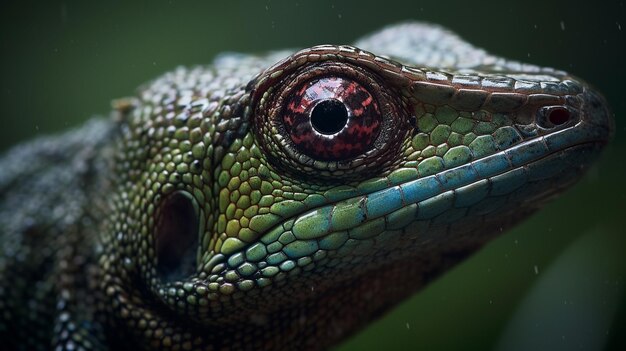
(549, 117)
(558, 116)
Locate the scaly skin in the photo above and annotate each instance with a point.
(201, 217)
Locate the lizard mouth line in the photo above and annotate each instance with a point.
(503, 171)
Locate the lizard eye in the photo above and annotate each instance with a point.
(329, 120)
(332, 118)
(177, 237)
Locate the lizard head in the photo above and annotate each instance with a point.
(263, 193)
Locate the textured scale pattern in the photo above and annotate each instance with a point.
(192, 220)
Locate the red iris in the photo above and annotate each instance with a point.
(332, 119)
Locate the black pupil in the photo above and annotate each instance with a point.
(329, 116)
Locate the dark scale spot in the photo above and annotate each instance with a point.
(228, 137)
(413, 124)
(182, 118)
(196, 167)
(329, 116)
(177, 237)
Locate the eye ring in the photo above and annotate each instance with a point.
(274, 136)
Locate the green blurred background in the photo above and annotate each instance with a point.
(555, 282)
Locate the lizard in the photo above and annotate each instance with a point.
(282, 200)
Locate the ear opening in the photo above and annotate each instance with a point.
(177, 235)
